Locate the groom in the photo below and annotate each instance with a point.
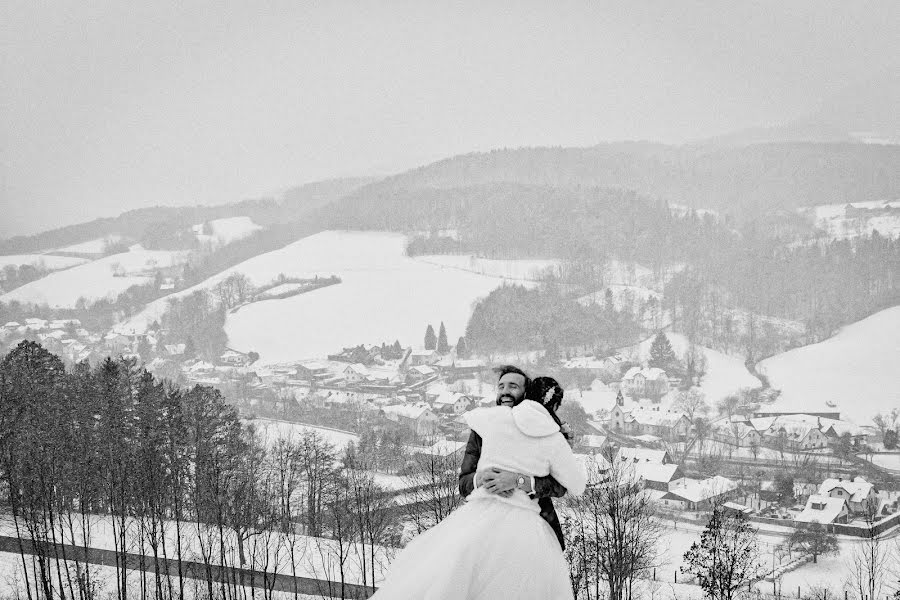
(510, 391)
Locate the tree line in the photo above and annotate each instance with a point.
(176, 475)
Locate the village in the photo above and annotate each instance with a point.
(779, 468)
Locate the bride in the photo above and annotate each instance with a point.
(497, 547)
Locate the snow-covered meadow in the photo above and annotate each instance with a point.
(834, 221)
(270, 431)
(103, 278)
(227, 230)
(49, 262)
(95, 246)
(725, 374)
(857, 371)
(384, 296)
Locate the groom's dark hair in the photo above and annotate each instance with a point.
(504, 369)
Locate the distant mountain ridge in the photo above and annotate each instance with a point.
(744, 181)
(749, 180)
(295, 203)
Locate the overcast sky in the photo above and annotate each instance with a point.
(106, 107)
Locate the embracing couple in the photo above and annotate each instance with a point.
(506, 540)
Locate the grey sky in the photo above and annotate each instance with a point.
(114, 106)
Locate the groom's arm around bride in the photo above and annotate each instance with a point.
(501, 482)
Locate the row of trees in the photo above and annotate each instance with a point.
(516, 318)
(821, 285)
(111, 455)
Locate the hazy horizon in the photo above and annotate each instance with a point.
(110, 107)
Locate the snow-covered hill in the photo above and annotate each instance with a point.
(843, 221)
(103, 278)
(225, 231)
(510, 269)
(43, 261)
(725, 374)
(384, 295)
(91, 247)
(857, 370)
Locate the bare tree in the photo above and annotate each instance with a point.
(433, 479)
(869, 563)
(692, 403)
(612, 533)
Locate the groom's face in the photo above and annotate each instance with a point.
(510, 389)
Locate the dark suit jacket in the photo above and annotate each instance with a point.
(544, 487)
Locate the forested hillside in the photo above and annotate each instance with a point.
(740, 181)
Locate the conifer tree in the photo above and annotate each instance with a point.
(442, 346)
(661, 354)
(430, 338)
(461, 350)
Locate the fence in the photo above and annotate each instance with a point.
(196, 570)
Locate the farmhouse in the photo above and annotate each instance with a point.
(645, 383)
(860, 495)
(692, 494)
(640, 421)
(418, 418)
(644, 455)
(452, 403)
(824, 509)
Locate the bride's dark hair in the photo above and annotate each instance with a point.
(547, 392)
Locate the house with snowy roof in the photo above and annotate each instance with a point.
(418, 418)
(637, 420)
(656, 476)
(420, 373)
(693, 494)
(643, 455)
(423, 357)
(824, 510)
(356, 373)
(860, 495)
(736, 433)
(647, 382)
(452, 403)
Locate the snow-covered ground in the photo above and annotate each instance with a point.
(888, 461)
(43, 261)
(12, 581)
(104, 278)
(284, 288)
(857, 370)
(833, 219)
(96, 246)
(281, 552)
(509, 269)
(272, 430)
(725, 374)
(225, 231)
(384, 296)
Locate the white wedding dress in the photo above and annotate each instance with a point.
(495, 548)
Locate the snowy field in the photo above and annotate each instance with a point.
(857, 370)
(12, 581)
(103, 278)
(272, 430)
(225, 231)
(278, 552)
(725, 374)
(43, 261)
(832, 219)
(507, 269)
(96, 246)
(888, 461)
(384, 296)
